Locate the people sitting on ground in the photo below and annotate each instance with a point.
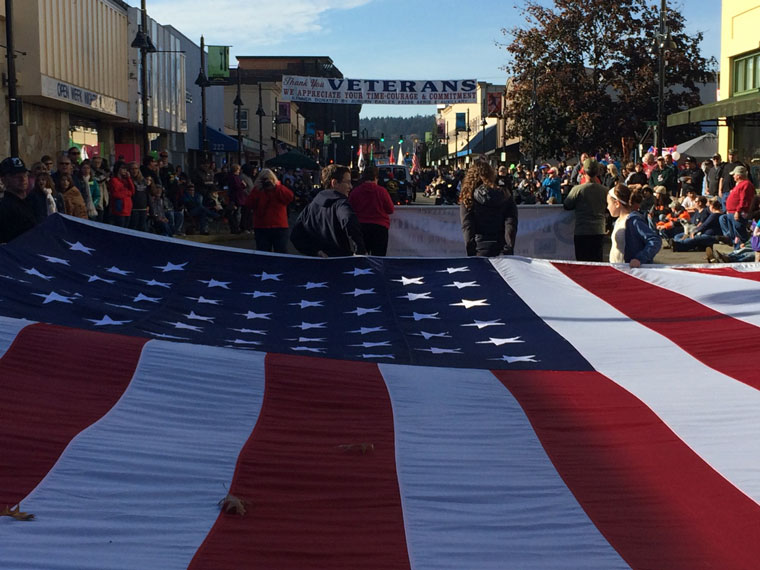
(673, 222)
(633, 241)
(689, 201)
(197, 213)
(647, 201)
(488, 213)
(661, 207)
(705, 234)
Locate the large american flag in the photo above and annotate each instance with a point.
(371, 413)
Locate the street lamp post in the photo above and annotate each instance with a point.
(143, 42)
(664, 44)
(298, 137)
(10, 53)
(260, 113)
(483, 136)
(203, 82)
(238, 102)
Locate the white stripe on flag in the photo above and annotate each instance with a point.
(9, 328)
(712, 413)
(734, 296)
(139, 488)
(477, 488)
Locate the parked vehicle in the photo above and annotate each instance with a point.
(398, 181)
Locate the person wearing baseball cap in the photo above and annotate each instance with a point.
(16, 213)
(728, 181)
(691, 176)
(734, 222)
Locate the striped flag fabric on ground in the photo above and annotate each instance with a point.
(505, 413)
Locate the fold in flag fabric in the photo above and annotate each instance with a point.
(370, 412)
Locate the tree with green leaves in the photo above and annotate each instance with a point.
(584, 75)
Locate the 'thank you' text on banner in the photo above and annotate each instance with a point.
(367, 91)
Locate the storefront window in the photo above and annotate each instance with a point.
(746, 73)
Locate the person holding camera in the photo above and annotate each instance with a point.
(269, 201)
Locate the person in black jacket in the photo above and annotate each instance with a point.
(16, 212)
(328, 227)
(488, 213)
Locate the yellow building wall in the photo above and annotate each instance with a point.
(740, 22)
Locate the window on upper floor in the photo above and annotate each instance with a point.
(243, 119)
(746, 73)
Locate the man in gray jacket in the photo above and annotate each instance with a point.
(589, 200)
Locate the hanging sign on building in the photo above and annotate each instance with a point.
(218, 62)
(387, 91)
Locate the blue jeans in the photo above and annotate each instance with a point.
(176, 221)
(682, 243)
(734, 228)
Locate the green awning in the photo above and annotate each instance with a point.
(731, 107)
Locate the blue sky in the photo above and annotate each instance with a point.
(381, 39)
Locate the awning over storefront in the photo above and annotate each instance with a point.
(476, 143)
(217, 141)
(731, 107)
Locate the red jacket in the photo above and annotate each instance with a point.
(270, 207)
(121, 191)
(740, 197)
(372, 204)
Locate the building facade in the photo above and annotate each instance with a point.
(737, 111)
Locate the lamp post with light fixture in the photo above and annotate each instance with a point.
(664, 44)
(203, 82)
(143, 42)
(238, 102)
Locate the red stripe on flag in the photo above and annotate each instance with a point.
(315, 500)
(55, 382)
(725, 272)
(688, 324)
(655, 500)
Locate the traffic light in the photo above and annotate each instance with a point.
(382, 137)
(401, 139)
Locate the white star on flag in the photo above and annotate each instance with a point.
(436, 350)
(312, 285)
(106, 321)
(91, 278)
(268, 276)
(53, 296)
(306, 326)
(57, 260)
(178, 325)
(451, 270)
(422, 316)
(306, 304)
(361, 311)
(250, 331)
(241, 341)
(127, 307)
(257, 294)
(500, 341)
(305, 339)
(372, 344)
(378, 356)
(357, 271)
(141, 297)
(193, 317)
(359, 292)
(171, 267)
(484, 324)
(462, 284)
(168, 336)
(367, 330)
(409, 281)
(469, 304)
(117, 271)
(33, 271)
(251, 315)
(154, 283)
(79, 247)
(511, 359)
(307, 349)
(205, 301)
(428, 335)
(417, 296)
(214, 283)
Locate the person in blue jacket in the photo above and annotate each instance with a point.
(633, 240)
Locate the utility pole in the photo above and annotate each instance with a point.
(260, 113)
(144, 81)
(10, 53)
(203, 97)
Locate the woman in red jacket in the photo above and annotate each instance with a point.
(121, 189)
(373, 207)
(269, 201)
